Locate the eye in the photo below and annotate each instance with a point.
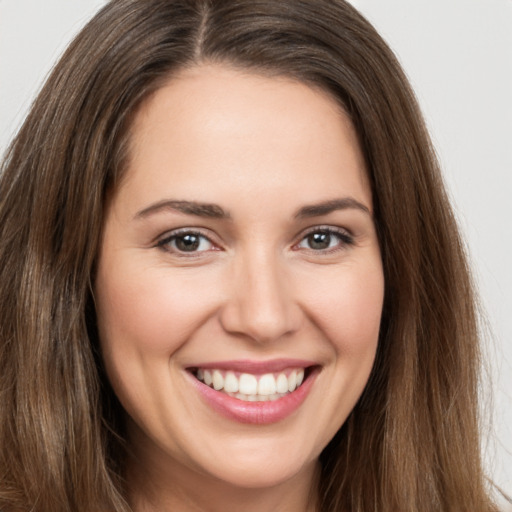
(186, 242)
(325, 239)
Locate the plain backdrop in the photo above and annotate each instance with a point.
(458, 56)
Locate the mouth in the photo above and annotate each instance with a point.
(257, 393)
(251, 387)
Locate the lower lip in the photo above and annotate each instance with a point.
(257, 413)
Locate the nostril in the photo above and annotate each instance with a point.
(261, 324)
(260, 304)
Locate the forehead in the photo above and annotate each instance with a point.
(215, 123)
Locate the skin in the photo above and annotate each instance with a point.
(261, 149)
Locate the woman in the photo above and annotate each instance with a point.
(230, 275)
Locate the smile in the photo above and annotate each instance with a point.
(250, 387)
(254, 392)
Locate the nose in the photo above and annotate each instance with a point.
(261, 304)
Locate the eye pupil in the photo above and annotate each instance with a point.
(187, 243)
(319, 240)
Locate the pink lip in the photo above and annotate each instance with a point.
(256, 367)
(257, 413)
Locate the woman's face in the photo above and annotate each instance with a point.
(239, 248)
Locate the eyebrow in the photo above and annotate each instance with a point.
(326, 207)
(214, 211)
(187, 207)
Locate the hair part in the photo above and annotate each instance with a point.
(412, 441)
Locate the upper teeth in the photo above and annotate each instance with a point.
(265, 385)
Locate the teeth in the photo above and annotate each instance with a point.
(282, 383)
(267, 384)
(300, 377)
(218, 380)
(257, 398)
(252, 388)
(230, 383)
(292, 381)
(248, 385)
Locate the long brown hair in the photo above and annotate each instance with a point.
(412, 441)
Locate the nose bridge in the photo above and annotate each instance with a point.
(261, 303)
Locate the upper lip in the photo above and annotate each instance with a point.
(255, 367)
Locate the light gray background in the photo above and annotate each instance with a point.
(458, 55)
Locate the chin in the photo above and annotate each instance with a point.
(260, 474)
(263, 462)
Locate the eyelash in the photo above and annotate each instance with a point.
(344, 240)
(165, 243)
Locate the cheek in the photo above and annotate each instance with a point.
(151, 311)
(348, 307)
(145, 316)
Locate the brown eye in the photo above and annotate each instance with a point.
(319, 241)
(325, 240)
(186, 242)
